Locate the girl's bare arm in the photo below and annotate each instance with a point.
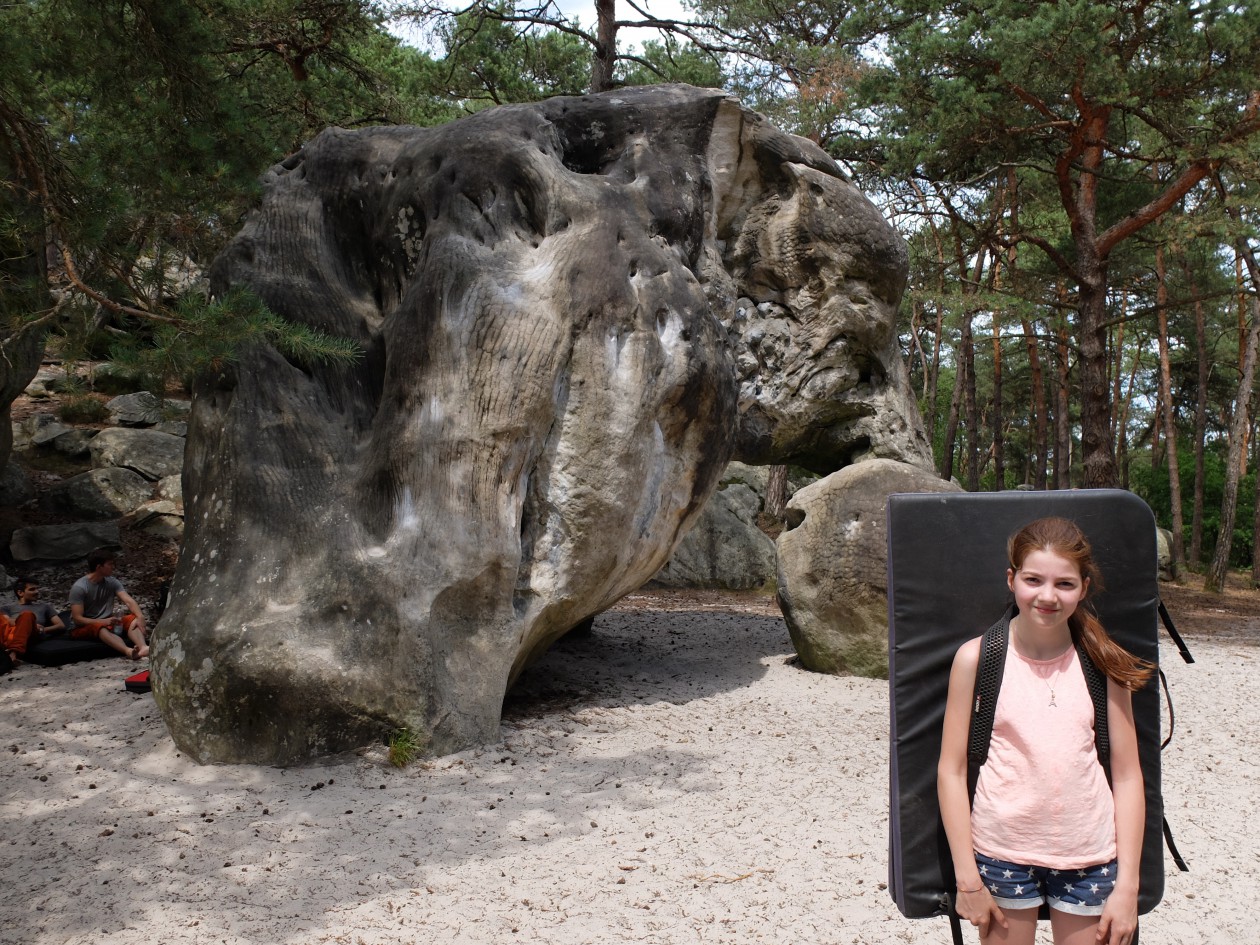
(974, 902)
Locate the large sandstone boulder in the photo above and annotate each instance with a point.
(573, 314)
(833, 558)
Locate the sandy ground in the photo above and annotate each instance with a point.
(670, 778)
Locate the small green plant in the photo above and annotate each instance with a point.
(82, 408)
(404, 746)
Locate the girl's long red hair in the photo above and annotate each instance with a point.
(1064, 538)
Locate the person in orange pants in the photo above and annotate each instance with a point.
(92, 600)
(28, 617)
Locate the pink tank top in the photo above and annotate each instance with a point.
(1042, 798)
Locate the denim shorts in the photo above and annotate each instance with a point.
(1078, 891)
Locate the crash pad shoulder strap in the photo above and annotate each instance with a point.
(989, 670)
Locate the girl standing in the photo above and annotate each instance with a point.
(1044, 826)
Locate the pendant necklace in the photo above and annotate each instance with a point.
(1050, 685)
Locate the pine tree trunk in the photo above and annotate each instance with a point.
(1097, 456)
(1062, 416)
(1041, 441)
(777, 493)
(936, 375)
(916, 341)
(1215, 580)
(1119, 419)
(605, 57)
(1122, 417)
(999, 420)
(972, 408)
(955, 406)
(1170, 417)
(1200, 426)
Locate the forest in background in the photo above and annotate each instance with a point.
(1076, 180)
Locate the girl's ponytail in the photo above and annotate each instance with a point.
(1115, 662)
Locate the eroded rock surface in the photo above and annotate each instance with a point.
(833, 565)
(725, 548)
(573, 314)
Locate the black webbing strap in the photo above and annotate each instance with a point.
(1096, 682)
(1172, 632)
(984, 696)
(1166, 619)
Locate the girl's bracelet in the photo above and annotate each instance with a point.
(977, 889)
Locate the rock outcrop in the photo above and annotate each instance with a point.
(152, 454)
(572, 315)
(833, 560)
(99, 494)
(62, 542)
(725, 549)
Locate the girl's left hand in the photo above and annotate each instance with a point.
(1119, 919)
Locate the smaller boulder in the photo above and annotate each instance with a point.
(15, 487)
(44, 382)
(25, 432)
(74, 443)
(1164, 554)
(62, 542)
(172, 488)
(99, 494)
(160, 517)
(141, 409)
(153, 455)
(110, 378)
(833, 565)
(47, 433)
(173, 427)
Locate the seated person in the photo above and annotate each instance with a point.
(92, 609)
(25, 619)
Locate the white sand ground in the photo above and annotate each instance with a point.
(670, 778)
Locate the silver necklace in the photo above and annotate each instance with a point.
(1050, 685)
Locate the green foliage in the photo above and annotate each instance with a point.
(404, 747)
(793, 62)
(490, 62)
(132, 134)
(671, 61)
(1153, 486)
(206, 334)
(83, 408)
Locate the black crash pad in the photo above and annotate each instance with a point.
(946, 584)
(58, 649)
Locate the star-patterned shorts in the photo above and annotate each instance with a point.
(1078, 891)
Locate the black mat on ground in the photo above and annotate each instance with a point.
(946, 584)
(58, 649)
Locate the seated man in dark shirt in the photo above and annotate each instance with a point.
(92, 609)
(28, 617)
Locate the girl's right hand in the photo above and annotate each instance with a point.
(978, 908)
